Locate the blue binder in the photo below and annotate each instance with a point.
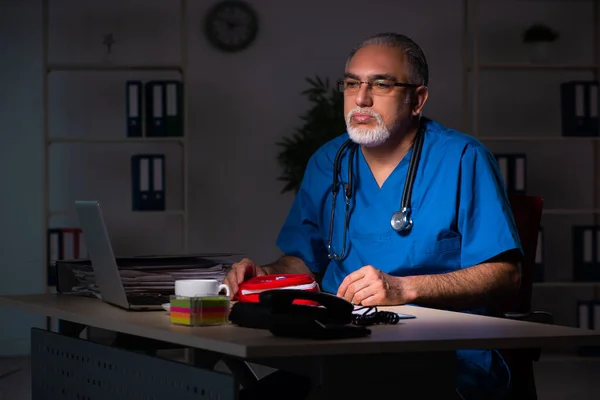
(585, 253)
(155, 97)
(148, 182)
(579, 105)
(133, 108)
(513, 168)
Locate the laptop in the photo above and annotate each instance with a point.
(104, 263)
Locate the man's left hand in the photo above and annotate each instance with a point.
(369, 286)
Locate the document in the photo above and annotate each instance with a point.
(148, 279)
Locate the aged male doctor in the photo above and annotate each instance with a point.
(456, 248)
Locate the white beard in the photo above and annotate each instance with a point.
(368, 137)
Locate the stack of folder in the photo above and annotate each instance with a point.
(148, 182)
(586, 254)
(513, 168)
(63, 244)
(154, 108)
(579, 105)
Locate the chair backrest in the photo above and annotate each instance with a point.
(527, 211)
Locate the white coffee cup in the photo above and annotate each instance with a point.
(199, 287)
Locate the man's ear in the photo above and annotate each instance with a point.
(419, 99)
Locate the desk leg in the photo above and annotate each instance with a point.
(241, 370)
(413, 375)
(420, 376)
(71, 329)
(205, 359)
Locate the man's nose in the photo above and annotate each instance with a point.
(363, 97)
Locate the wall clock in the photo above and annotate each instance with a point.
(231, 25)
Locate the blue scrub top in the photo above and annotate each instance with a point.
(460, 211)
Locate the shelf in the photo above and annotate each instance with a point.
(534, 138)
(165, 212)
(534, 66)
(570, 211)
(565, 284)
(111, 67)
(175, 139)
(158, 69)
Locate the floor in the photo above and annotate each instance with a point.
(558, 377)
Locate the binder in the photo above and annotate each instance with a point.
(63, 244)
(584, 315)
(586, 257)
(538, 271)
(588, 317)
(148, 182)
(579, 108)
(133, 108)
(54, 253)
(73, 244)
(155, 108)
(174, 107)
(513, 168)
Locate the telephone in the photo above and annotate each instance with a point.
(276, 311)
(249, 290)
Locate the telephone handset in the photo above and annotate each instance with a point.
(276, 312)
(333, 308)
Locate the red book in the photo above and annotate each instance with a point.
(249, 290)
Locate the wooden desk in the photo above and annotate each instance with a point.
(390, 352)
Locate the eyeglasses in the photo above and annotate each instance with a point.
(378, 86)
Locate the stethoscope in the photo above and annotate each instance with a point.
(401, 220)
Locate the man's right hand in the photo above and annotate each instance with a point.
(241, 271)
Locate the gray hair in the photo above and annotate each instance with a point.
(417, 63)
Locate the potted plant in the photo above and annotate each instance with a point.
(323, 121)
(539, 38)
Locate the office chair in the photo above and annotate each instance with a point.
(527, 211)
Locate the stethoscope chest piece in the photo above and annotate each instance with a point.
(401, 221)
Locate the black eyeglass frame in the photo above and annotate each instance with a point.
(341, 82)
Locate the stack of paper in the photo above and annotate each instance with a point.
(147, 278)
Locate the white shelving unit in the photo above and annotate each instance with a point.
(48, 141)
(472, 97)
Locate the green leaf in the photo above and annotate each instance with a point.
(323, 121)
